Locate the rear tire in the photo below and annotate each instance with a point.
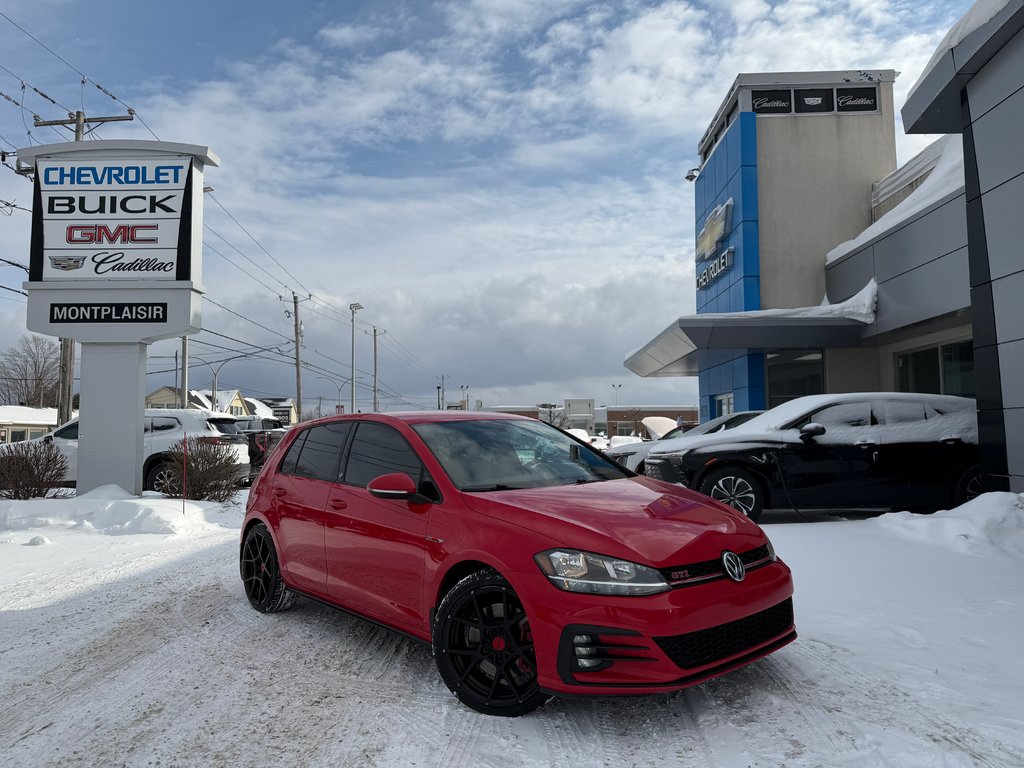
(968, 487)
(737, 488)
(483, 647)
(261, 573)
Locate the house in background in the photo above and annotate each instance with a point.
(19, 422)
(229, 401)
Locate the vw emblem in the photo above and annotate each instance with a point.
(733, 566)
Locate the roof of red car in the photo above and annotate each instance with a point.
(420, 417)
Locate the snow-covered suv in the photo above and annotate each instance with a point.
(162, 428)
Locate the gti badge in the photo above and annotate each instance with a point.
(733, 566)
(67, 263)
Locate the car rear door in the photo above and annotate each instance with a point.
(299, 492)
(376, 548)
(924, 451)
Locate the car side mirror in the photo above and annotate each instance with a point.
(396, 486)
(810, 431)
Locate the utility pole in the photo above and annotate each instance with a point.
(298, 360)
(376, 333)
(183, 394)
(353, 308)
(65, 387)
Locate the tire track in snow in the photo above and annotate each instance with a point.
(872, 702)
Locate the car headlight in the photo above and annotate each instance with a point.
(576, 571)
(771, 549)
(673, 455)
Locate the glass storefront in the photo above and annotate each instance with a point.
(793, 373)
(945, 369)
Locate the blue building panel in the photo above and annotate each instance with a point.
(730, 172)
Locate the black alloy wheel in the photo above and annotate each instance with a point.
(483, 647)
(969, 486)
(163, 479)
(261, 575)
(736, 487)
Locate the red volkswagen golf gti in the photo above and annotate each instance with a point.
(532, 564)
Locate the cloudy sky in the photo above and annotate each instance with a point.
(498, 182)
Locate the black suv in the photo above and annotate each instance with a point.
(868, 449)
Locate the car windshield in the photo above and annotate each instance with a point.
(500, 454)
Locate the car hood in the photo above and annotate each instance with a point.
(638, 519)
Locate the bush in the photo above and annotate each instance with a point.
(30, 470)
(210, 472)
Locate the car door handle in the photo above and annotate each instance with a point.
(337, 504)
(866, 443)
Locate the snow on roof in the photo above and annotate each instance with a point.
(977, 15)
(860, 306)
(259, 408)
(20, 414)
(946, 178)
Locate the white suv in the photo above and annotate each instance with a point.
(163, 427)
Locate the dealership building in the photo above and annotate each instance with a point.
(821, 266)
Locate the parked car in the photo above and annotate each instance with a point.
(262, 435)
(532, 564)
(162, 428)
(867, 449)
(632, 455)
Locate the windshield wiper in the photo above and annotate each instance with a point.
(492, 487)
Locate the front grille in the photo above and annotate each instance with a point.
(708, 570)
(661, 469)
(697, 649)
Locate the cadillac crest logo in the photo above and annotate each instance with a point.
(67, 263)
(733, 566)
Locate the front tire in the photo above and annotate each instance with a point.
(736, 487)
(483, 647)
(162, 479)
(261, 573)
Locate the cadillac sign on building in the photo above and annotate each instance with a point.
(116, 251)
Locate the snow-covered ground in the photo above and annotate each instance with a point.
(126, 639)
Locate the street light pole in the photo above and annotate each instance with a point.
(338, 384)
(353, 308)
(616, 388)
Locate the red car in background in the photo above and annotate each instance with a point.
(532, 564)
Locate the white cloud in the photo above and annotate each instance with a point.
(349, 35)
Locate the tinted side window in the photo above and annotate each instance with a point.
(903, 412)
(164, 423)
(321, 451)
(292, 457)
(380, 450)
(70, 432)
(844, 415)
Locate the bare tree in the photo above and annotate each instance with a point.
(29, 372)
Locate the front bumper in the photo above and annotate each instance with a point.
(656, 643)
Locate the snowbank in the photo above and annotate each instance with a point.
(993, 523)
(112, 511)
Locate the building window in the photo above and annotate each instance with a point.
(724, 404)
(624, 428)
(792, 373)
(945, 369)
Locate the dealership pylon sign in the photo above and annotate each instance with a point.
(115, 263)
(116, 251)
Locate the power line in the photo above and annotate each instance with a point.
(72, 67)
(260, 245)
(247, 319)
